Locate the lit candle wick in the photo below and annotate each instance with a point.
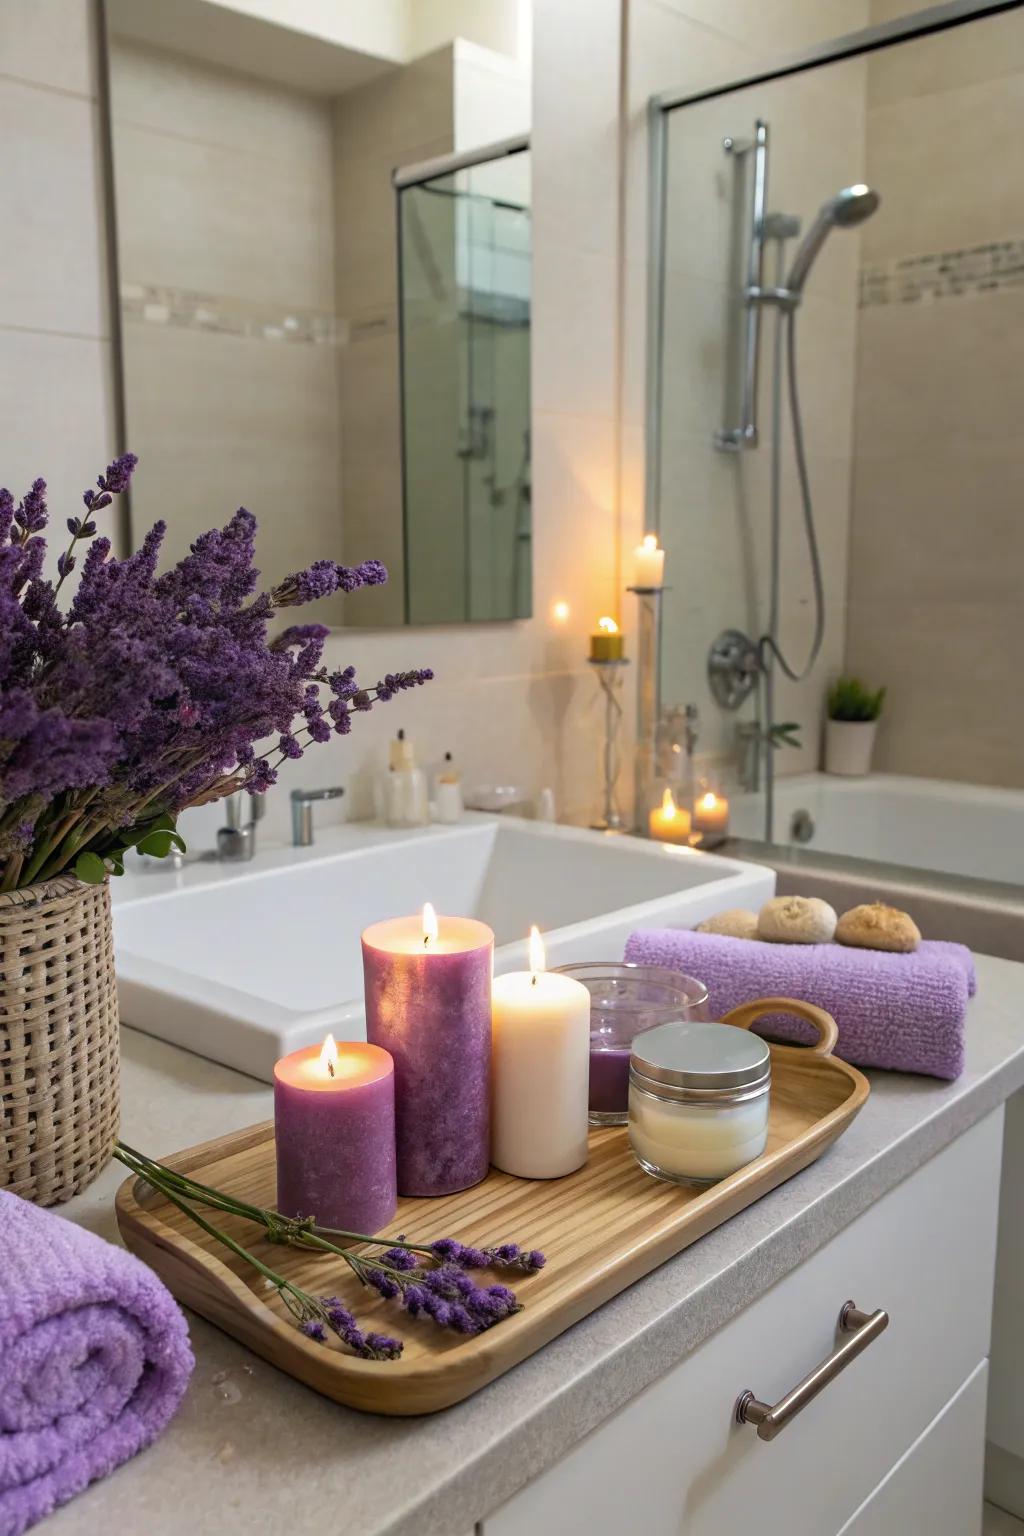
(429, 925)
(329, 1055)
(538, 959)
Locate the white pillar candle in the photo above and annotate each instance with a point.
(540, 1070)
(649, 567)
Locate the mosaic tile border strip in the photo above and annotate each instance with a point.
(182, 309)
(948, 274)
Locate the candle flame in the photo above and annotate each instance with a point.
(538, 959)
(669, 809)
(608, 626)
(429, 926)
(329, 1056)
(708, 801)
(650, 541)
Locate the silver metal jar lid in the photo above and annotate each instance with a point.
(691, 1055)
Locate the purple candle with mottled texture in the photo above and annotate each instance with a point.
(428, 1002)
(334, 1125)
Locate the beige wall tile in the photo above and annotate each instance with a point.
(575, 113)
(492, 97)
(974, 54)
(56, 402)
(55, 274)
(775, 26)
(53, 43)
(372, 523)
(942, 524)
(214, 221)
(573, 341)
(190, 99)
(959, 144)
(221, 420)
(407, 106)
(951, 675)
(941, 375)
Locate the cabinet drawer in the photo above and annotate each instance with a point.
(937, 1486)
(676, 1462)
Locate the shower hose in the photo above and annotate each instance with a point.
(784, 360)
(769, 649)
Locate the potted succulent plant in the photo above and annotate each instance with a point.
(853, 714)
(122, 702)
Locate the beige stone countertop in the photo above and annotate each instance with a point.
(251, 1450)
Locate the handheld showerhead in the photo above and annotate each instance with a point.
(849, 207)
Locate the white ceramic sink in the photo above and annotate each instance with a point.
(242, 964)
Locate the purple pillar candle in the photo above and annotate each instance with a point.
(428, 1002)
(334, 1124)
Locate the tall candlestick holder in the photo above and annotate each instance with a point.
(609, 675)
(648, 649)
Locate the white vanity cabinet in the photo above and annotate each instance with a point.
(893, 1445)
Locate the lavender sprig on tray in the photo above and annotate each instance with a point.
(432, 1281)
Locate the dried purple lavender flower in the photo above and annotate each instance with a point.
(446, 1294)
(148, 693)
(503, 1256)
(371, 1346)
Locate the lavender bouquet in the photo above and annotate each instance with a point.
(144, 694)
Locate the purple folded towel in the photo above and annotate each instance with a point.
(94, 1360)
(903, 1012)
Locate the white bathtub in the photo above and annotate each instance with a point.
(930, 824)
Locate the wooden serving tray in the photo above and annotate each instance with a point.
(601, 1228)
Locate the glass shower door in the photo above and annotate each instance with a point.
(465, 322)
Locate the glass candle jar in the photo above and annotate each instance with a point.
(624, 1001)
(698, 1100)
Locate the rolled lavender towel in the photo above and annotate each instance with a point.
(94, 1360)
(903, 1012)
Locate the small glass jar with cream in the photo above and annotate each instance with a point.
(698, 1100)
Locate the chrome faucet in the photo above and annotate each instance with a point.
(302, 812)
(237, 841)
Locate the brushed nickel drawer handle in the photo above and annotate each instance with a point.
(771, 1419)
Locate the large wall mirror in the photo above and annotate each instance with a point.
(323, 251)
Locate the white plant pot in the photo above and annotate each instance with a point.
(849, 745)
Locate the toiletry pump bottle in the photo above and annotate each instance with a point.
(406, 793)
(448, 805)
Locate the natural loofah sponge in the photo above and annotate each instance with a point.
(877, 926)
(737, 923)
(796, 920)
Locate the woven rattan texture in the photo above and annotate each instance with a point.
(59, 1051)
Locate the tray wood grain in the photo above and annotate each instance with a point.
(601, 1228)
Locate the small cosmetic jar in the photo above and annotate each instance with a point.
(698, 1100)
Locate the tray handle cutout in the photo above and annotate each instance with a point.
(748, 1013)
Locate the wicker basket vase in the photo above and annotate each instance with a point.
(59, 1049)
